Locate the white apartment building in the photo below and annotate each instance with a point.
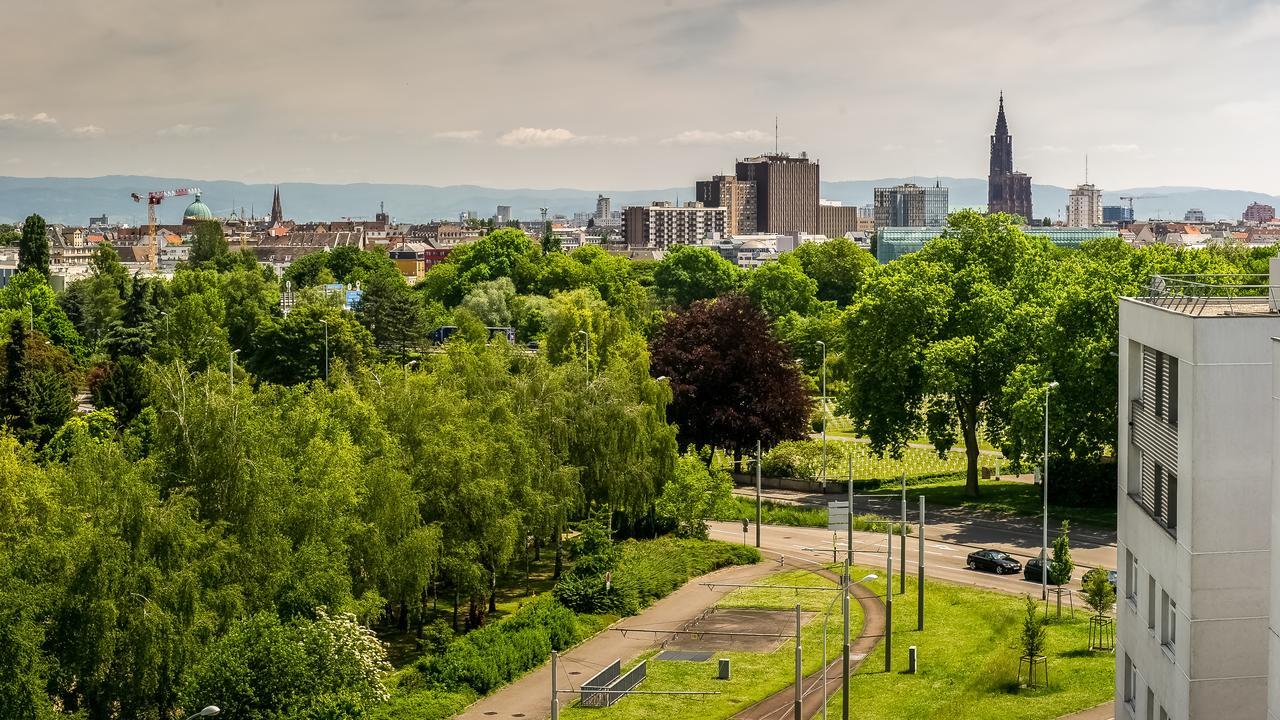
(1084, 207)
(662, 224)
(1196, 587)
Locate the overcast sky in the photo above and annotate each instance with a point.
(618, 94)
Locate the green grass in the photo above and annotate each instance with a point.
(969, 662)
(754, 675)
(1003, 497)
(772, 513)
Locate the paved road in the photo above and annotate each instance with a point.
(946, 547)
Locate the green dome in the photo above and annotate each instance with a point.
(197, 211)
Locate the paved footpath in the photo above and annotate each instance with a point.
(530, 696)
(1106, 711)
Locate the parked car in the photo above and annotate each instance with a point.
(1111, 577)
(1031, 571)
(993, 561)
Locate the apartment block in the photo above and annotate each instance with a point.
(662, 224)
(1196, 586)
(737, 197)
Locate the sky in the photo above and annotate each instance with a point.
(636, 94)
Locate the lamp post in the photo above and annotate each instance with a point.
(326, 350)
(824, 410)
(1044, 489)
(586, 350)
(231, 370)
(207, 712)
(844, 608)
(31, 316)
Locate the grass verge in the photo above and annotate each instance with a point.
(797, 516)
(1003, 497)
(754, 675)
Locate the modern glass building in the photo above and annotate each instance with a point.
(894, 242)
(911, 206)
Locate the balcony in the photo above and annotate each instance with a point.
(1209, 295)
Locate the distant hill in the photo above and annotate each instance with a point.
(74, 200)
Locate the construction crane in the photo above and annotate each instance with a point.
(154, 199)
(1131, 198)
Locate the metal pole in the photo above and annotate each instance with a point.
(920, 573)
(824, 411)
(888, 600)
(555, 697)
(799, 672)
(849, 532)
(844, 609)
(759, 457)
(326, 350)
(824, 661)
(902, 569)
(231, 369)
(1044, 489)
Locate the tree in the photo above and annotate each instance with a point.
(780, 288)
(209, 244)
(837, 265)
(695, 493)
(291, 349)
(690, 272)
(490, 301)
(550, 243)
(394, 315)
(1099, 594)
(732, 382)
(33, 249)
(37, 385)
(933, 339)
(1061, 567)
(1031, 640)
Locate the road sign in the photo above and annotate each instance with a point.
(838, 515)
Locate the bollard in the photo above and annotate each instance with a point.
(724, 669)
(911, 660)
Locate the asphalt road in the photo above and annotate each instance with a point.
(947, 544)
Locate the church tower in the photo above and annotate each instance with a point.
(1007, 191)
(277, 214)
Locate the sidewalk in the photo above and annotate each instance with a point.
(1106, 711)
(530, 696)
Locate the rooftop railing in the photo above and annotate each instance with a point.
(1214, 294)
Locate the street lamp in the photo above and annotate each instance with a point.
(231, 368)
(207, 712)
(326, 350)
(1044, 488)
(586, 350)
(844, 608)
(824, 410)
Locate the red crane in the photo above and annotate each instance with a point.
(154, 198)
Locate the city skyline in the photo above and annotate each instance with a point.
(222, 92)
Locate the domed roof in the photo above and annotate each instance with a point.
(197, 211)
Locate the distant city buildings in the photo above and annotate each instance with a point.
(786, 192)
(1007, 191)
(1194, 215)
(1259, 213)
(1116, 215)
(911, 206)
(503, 215)
(602, 208)
(1084, 207)
(737, 197)
(836, 219)
(663, 224)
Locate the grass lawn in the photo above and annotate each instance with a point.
(771, 513)
(1005, 496)
(754, 675)
(969, 664)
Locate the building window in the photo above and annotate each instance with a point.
(1151, 704)
(1131, 577)
(1151, 603)
(1171, 501)
(1160, 381)
(1130, 682)
(1169, 621)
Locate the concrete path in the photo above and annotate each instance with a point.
(530, 696)
(1106, 711)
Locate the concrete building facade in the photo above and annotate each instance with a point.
(911, 206)
(1084, 207)
(737, 197)
(1259, 212)
(836, 220)
(786, 192)
(663, 224)
(1196, 586)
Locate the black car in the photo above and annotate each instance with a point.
(1032, 572)
(1111, 577)
(993, 561)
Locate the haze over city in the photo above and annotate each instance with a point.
(619, 94)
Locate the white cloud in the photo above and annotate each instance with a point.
(556, 137)
(712, 137)
(183, 130)
(44, 118)
(1121, 148)
(8, 117)
(458, 135)
(88, 131)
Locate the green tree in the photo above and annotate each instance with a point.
(837, 265)
(291, 349)
(394, 315)
(33, 249)
(689, 273)
(37, 385)
(1061, 568)
(780, 288)
(1032, 639)
(9, 236)
(1099, 593)
(695, 493)
(933, 339)
(491, 301)
(209, 245)
(550, 243)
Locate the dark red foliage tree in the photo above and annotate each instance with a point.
(732, 381)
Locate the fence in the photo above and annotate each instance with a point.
(609, 685)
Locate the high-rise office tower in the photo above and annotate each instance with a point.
(786, 192)
(1084, 208)
(911, 206)
(602, 207)
(738, 197)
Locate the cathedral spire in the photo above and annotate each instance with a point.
(1002, 126)
(277, 213)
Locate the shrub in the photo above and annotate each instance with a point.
(495, 654)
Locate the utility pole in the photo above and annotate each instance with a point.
(888, 599)
(326, 351)
(1044, 489)
(555, 696)
(759, 457)
(824, 413)
(902, 569)
(844, 610)
(799, 670)
(849, 528)
(920, 573)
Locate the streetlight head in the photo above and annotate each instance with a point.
(661, 378)
(869, 577)
(582, 332)
(1053, 384)
(210, 711)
